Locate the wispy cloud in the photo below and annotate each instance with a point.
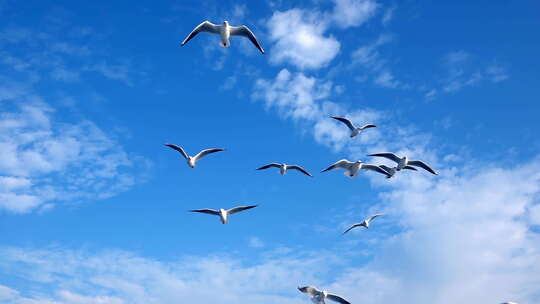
(47, 161)
(464, 70)
(375, 66)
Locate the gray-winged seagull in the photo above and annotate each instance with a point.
(318, 296)
(392, 170)
(352, 168)
(403, 162)
(284, 167)
(192, 160)
(225, 31)
(222, 213)
(354, 130)
(365, 223)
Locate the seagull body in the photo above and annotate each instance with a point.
(225, 31)
(222, 213)
(284, 167)
(354, 130)
(392, 171)
(403, 162)
(365, 223)
(352, 168)
(318, 296)
(192, 160)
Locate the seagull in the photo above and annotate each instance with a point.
(224, 31)
(352, 168)
(284, 167)
(392, 171)
(365, 223)
(318, 296)
(192, 160)
(222, 213)
(403, 162)
(354, 130)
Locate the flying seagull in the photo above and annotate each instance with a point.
(224, 31)
(192, 160)
(403, 162)
(352, 168)
(318, 296)
(365, 223)
(392, 171)
(284, 167)
(222, 213)
(354, 130)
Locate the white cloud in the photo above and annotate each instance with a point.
(67, 277)
(300, 39)
(46, 161)
(388, 15)
(255, 242)
(348, 13)
(119, 72)
(301, 36)
(463, 71)
(376, 67)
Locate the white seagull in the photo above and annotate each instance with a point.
(192, 160)
(318, 296)
(403, 162)
(352, 168)
(284, 167)
(224, 31)
(354, 130)
(365, 223)
(222, 213)
(392, 171)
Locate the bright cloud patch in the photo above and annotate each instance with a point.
(300, 39)
(349, 13)
(44, 161)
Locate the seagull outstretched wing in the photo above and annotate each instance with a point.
(389, 155)
(345, 121)
(239, 209)
(376, 168)
(205, 152)
(179, 149)
(421, 164)
(246, 32)
(205, 26)
(295, 167)
(343, 164)
(275, 165)
(337, 298)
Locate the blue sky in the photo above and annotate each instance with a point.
(93, 207)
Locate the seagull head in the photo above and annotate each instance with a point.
(226, 23)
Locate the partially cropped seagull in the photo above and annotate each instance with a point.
(403, 162)
(192, 160)
(392, 171)
(318, 296)
(284, 167)
(224, 31)
(365, 223)
(354, 130)
(222, 213)
(352, 168)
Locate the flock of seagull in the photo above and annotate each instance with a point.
(351, 168)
